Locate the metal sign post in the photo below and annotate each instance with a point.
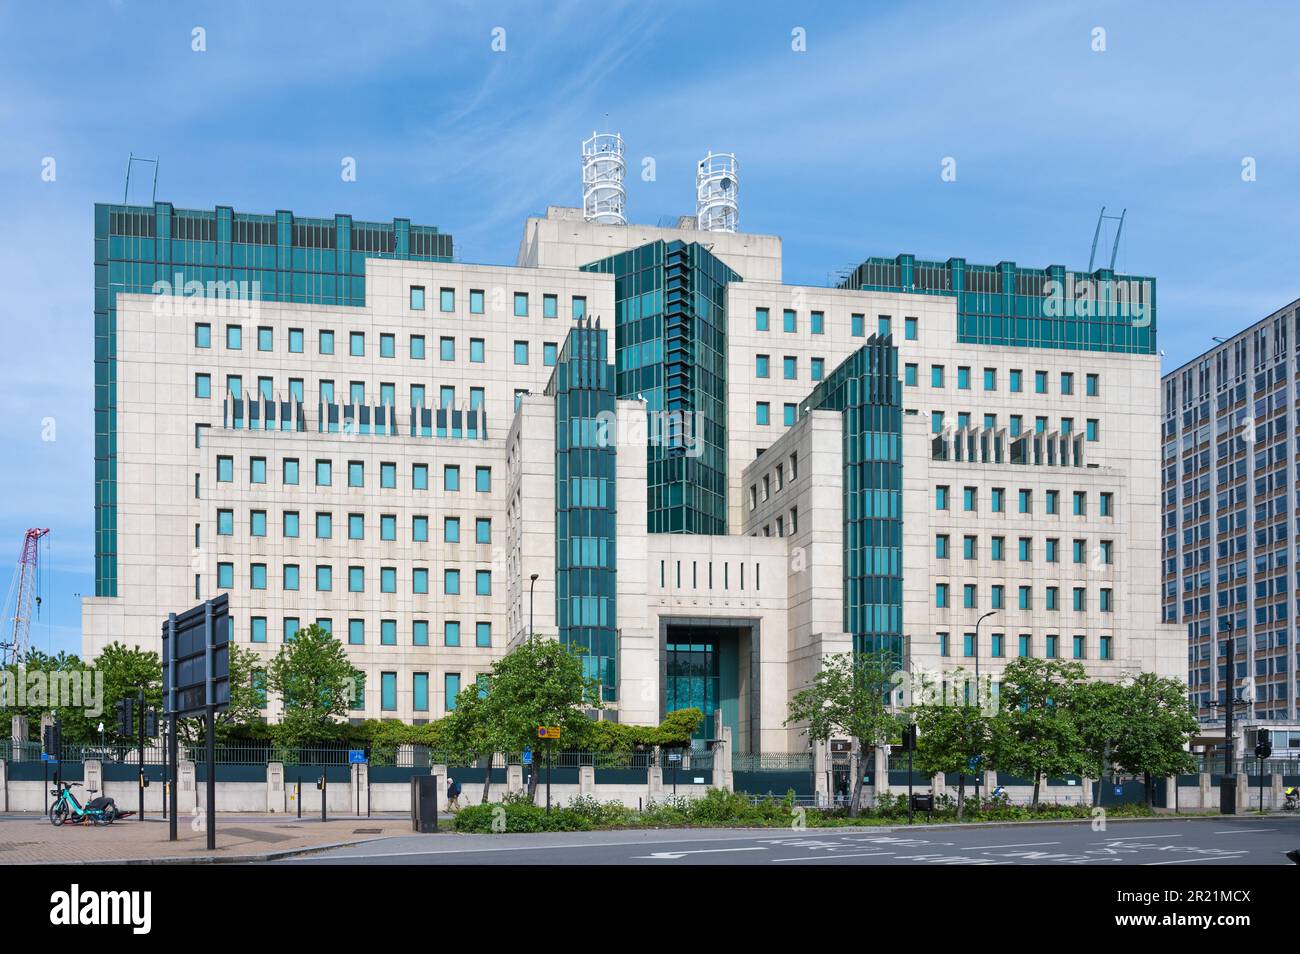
(196, 682)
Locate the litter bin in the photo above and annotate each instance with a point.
(424, 803)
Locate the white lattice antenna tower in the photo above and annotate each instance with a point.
(716, 186)
(604, 196)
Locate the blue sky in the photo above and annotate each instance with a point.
(840, 148)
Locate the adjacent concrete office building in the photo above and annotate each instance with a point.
(716, 478)
(1228, 458)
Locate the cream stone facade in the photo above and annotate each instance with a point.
(414, 534)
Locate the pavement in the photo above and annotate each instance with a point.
(1212, 841)
(31, 839)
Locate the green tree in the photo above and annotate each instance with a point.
(949, 731)
(1100, 714)
(539, 682)
(1035, 733)
(315, 680)
(850, 696)
(126, 671)
(1159, 721)
(247, 692)
(468, 733)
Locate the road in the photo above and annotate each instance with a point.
(1209, 841)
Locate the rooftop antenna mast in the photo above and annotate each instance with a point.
(126, 192)
(1097, 235)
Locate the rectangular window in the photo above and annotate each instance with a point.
(356, 526)
(1025, 648)
(356, 579)
(963, 379)
(1025, 549)
(291, 523)
(969, 499)
(324, 578)
(1016, 380)
(417, 298)
(762, 413)
(996, 548)
(817, 320)
(483, 582)
(420, 529)
(326, 342)
(356, 473)
(1105, 651)
(1104, 508)
(998, 503)
(450, 689)
(291, 578)
(521, 352)
(1067, 382)
(420, 580)
(762, 366)
(324, 526)
(451, 477)
(909, 375)
(446, 299)
(257, 470)
(790, 368)
(990, 379)
(257, 629)
(388, 632)
(1080, 503)
(483, 479)
(202, 385)
(941, 595)
(1053, 643)
(789, 320)
(1040, 382)
(1053, 501)
(225, 575)
(451, 582)
(909, 329)
(483, 530)
(420, 477)
(295, 341)
(941, 546)
(482, 634)
(1091, 388)
(388, 691)
(761, 319)
(550, 353)
(225, 523)
(234, 337)
(941, 498)
(883, 325)
(451, 529)
(387, 526)
(447, 349)
(521, 304)
(1090, 429)
(579, 307)
(257, 523)
(936, 375)
(202, 336)
(420, 632)
(476, 351)
(388, 579)
(857, 325)
(791, 414)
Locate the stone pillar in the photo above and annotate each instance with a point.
(275, 794)
(939, 786)
(989, 781)
(514, 778)
(722, 777)
(1274, 798)
(4, 783)
(187, 792)
(881, 770)
(821, 767)
(92, 779)
(18, 728)
(360, 788)
(1204, 790)
(1171, 793)
(655, 777)
(1243, 792)
(586, 780)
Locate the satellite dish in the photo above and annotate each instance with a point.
(726, 185)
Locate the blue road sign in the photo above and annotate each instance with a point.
(356, 756)
(1119, 789)
(528, 756)
(47, 757)
(973, 764)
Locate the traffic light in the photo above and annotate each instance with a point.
(125, 717)
(909, 737)
(1263, 743)
(151, 723)
(53, 739)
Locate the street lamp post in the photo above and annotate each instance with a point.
(532, 582)
(976, 647)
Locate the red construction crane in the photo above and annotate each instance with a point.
(22, 598)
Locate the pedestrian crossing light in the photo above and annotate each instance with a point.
(125, 717)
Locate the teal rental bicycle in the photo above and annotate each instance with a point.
(98, 811)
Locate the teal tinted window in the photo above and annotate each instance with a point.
(257, 629)
(579, 307)
(324, 473)
(356, 526)
(203, 385)
(817, 368)
(790, 368)
(291, 579)
(476, 301)
(417, 347)
(420, 691)
(476, 351)
(550, 351)
(451, 689)
(388, 632)
(291, 523)
(1017, 380)
(761, 319)
(420, 529)
(1091, 429)
(420, 580)
(857, 326)
(909, 329)
(483, 530)
(265, 339)
(257, 523)
(388, 526)
(482, 634)
(420, 477)
(550, 306)
(791, 414)
(521, 352)
(257, 576)
(387, 346)
(326, 342)
(356, 473)
(884, 325)
(446, 299)
(909, 375)
(521, 304)
(483, 479)
(324, 526)
(225, 575)
(817, 322)
(789, 320)
(963, 379)
(451, 476)
(234, 337)
(762, 413)
(451, 529)
(417, 298)
(1040, 382)
(936, 375)
(203, 336)
(225, 469)
(324, 578)
(447, 349)
(762, 366)
(225, 523)
(483, 582)
(295, 340)
(388, 579)
(420, 632)
(941, 546)
(388, 691)
(451, 633)
(451, 582)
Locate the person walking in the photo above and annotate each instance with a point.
(453, 795)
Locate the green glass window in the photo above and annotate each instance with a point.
(909, 329)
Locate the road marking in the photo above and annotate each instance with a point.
(673, 855)
(1023, 844)
(854, 854)
(1183, 861)
(1244, 828)
(1135, 838)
